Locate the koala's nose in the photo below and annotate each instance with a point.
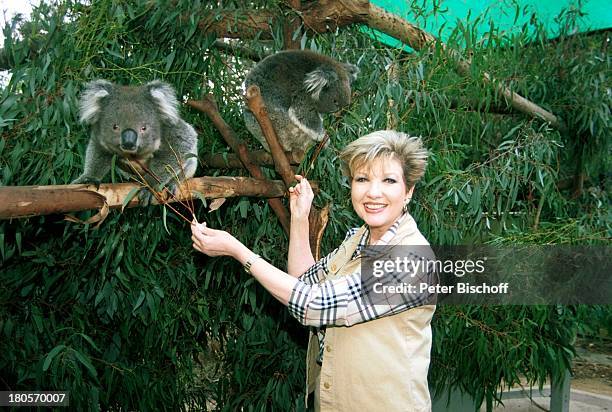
(128, 139)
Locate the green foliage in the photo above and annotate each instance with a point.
(476, 348)
(129, 317)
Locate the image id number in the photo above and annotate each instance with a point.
(33, 398)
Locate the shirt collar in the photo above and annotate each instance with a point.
(385, 238)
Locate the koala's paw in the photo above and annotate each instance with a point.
(146, 197)
(87, 180)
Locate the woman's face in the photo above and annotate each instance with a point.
(378, 193)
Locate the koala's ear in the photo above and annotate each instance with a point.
(352, 71)
(91, 100)
(316, 80)
(164, 97)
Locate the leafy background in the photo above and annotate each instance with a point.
(129, 317)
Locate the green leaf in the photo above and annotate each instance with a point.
(89, 340)
(165, 218)
(139, 301)
(131, 194)
(170, 60)
(84, 359)
(52, 354)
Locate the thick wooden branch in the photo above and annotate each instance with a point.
(291, 25)
(328, 15)
(418, 39)
(259, 157)
(317, 219)
(257, 106)
(208, 106)
(239, 24)
(318, 16)
(398, 28)
(238, 50)
(23, 201)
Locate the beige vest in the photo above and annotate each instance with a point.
(377, 365)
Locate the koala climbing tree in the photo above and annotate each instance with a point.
(297, 86)
(142, 126)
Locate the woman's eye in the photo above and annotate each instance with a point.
(390, 180)
(360, 179)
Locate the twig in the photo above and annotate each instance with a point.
(320, 147)
(536, 220)
(158, 195)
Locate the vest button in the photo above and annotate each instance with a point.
(333, 267)
(327, 385)
(328, 348)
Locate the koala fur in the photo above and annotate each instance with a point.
(297, 86)
(137, 123)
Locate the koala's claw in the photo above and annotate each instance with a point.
(173, 188)
(145, 196)
(87, 180)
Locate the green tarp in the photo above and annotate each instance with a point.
(441, 17)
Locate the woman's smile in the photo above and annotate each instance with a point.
(374, 207)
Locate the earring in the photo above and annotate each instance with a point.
(405, 208)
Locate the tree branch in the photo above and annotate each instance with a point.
(208, 106)
(23, 201)
(291, 25)
(320, 16)
(238, 50)
(418, 39)
(257, 106)
(259, 157)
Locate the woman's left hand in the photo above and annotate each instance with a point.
(300, 198)
(213, 242)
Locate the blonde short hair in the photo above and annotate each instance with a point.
(386, 144)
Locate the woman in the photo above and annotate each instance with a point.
(361, 356)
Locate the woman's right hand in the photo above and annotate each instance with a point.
(300, 198)
(214, 242)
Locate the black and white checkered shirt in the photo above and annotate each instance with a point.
(318, 302)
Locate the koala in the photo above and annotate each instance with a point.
(139, 124)
(297, 86)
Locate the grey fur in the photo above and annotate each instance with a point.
(111, 110)
(297, 86)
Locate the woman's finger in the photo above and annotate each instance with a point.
(202, 229)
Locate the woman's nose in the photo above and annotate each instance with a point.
(374, 189)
